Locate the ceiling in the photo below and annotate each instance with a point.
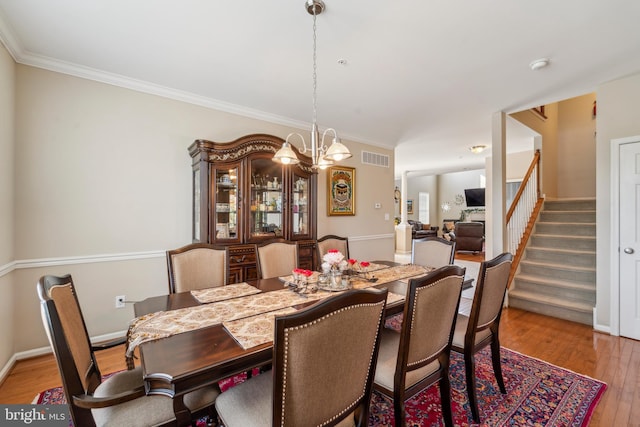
(421, 76)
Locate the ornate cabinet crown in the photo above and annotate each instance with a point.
(242, 197)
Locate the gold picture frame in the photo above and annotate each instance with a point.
(410, 206)
(341, 191)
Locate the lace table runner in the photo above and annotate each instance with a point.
(391, 274)
(221, 293)
(257, 330)
(163, 324)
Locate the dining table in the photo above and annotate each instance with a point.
(178, 363)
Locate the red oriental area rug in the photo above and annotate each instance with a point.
(538, 394)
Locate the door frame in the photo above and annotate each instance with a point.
(614, 233)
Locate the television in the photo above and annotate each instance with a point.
(474, 197)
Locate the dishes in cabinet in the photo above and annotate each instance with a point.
(222, 207)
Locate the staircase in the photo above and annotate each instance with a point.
(557, 273)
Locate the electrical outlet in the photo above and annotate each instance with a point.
(120, 301)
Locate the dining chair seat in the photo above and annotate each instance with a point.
(462, 322)
(156, 410)
(236, 412)
(387, 362)
(323, 365)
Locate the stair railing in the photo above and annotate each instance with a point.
(523, 212)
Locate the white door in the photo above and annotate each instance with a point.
(630, 240)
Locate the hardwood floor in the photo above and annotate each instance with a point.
(574, 346)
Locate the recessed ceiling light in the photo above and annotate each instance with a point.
(476, 149)
(539, 63)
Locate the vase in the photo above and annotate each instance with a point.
(335, 278)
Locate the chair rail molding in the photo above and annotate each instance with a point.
(81, 259)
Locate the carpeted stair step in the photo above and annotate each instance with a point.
(550, 306)
(563, 289)
(561, 256)
(581, 243)
(570, 205)
(571, 228)
(558, 271)
(568, 216)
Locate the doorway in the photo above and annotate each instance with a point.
(628, 237)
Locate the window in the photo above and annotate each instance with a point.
(423, 208)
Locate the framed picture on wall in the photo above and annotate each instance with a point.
(410, 206)
(341, 191)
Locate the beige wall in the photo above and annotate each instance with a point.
(568, 147)
(617, 118)
(548, 129)
(577, 147)
(103, 189)
(7, 80)
(371, 236)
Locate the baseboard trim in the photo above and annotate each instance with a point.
(21, 355)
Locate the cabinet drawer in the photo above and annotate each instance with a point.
(242, 257)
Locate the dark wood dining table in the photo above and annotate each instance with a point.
(181, 363)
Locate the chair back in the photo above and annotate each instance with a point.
(69, 339)
(276, 257)
(429, 317)
(324, 359)
(197, 266)
(331, 241)
(489, 295)
(432, 252)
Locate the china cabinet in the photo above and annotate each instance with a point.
(242, 197)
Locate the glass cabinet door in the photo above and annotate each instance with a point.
(299, 205)
(266, 199)
(226, 192)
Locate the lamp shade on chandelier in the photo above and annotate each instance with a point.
(321, 155)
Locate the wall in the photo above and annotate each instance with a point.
(103, 189)
(577, 147)
(617, 118)
(548, 129)
(569, 135)
(7, 100)
(371, 229)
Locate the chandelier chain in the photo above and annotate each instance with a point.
(315, 75)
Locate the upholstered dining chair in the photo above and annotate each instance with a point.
(323, 363)
(418, 356)
(480, 329)
(432, 252)
(276, 257)
(119, 400)
(197, 266)
(330, 241)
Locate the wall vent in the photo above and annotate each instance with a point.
(375, 159)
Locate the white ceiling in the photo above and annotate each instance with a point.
(423, 76)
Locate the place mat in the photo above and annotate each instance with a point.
(390, 274)
(255, 330)
(164, 324)
(393, 297)
(221, 293)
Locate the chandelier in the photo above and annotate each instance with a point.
(321, 155)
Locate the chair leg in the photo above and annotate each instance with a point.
(398, 409)
(445, 399)
(497, 367)
(470, 370)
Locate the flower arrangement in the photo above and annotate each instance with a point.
(298, 273)
(333, 260)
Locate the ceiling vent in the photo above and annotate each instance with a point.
(375, 159)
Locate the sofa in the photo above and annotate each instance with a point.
(469, 236)
(420, 230)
